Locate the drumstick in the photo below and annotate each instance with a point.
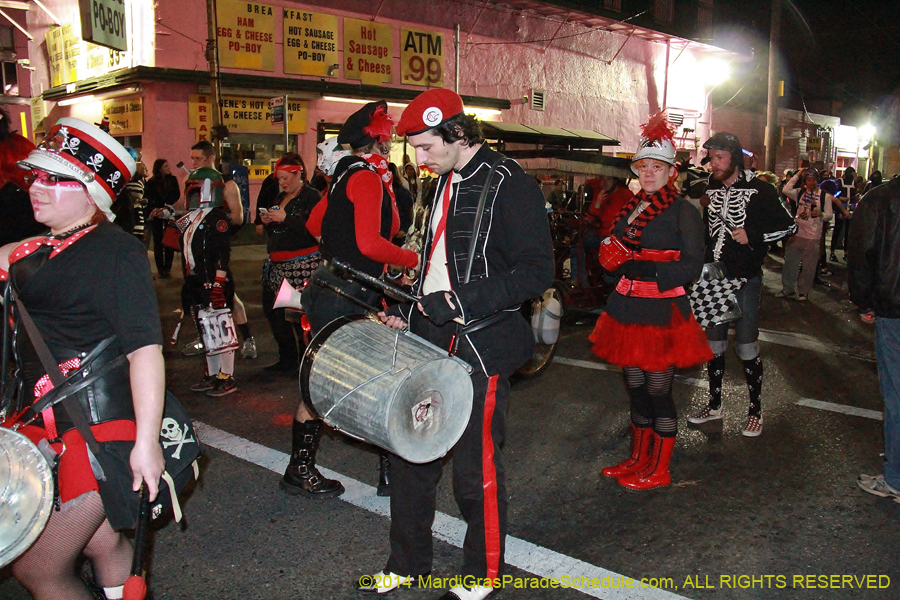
(382, 286)
(135, 585)
(341, 292)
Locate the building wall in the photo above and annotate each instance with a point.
(592, 78)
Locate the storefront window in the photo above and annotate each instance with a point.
(259, 151)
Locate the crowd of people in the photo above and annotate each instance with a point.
(480, 243)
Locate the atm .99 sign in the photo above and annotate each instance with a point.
(421, 58)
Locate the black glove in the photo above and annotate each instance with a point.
(438, 309)
(638, 269)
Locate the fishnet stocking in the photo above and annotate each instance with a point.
(47, 569)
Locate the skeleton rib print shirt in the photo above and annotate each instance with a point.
(750, 204)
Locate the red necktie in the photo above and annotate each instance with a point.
(442, 224)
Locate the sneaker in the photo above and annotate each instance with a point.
(825, 273)
(878, 486)
(383, 582)
(223, 387)
(783, 295)
(753, 428)
(248, 350)
(205, 384)
(477, 592)
(706, 414)
(867, 316)
(802, 297)
(193, 348)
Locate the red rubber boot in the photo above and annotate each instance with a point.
(657, 473)
(639, 460)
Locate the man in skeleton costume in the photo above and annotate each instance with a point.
(513, 261)
(744, 216)
(206, 253)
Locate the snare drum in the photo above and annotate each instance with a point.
(387, 387)
(217, 330)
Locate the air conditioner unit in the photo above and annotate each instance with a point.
(537, 99)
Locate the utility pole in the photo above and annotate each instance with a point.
(212, 57)
(772, 106)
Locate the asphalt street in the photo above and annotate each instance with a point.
(774, 517)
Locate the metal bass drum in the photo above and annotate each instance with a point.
(387, 387)
(26, 494)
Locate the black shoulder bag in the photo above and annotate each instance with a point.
(110, 460)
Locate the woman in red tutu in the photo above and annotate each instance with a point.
(657, 248)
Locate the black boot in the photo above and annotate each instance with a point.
(302, 476)
(384, 474)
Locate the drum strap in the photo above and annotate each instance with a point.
(51, 366)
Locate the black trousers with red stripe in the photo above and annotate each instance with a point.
(479, 482)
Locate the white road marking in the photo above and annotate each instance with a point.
(841, 408)
(701, 383)
(587, 364)
(521, 554)
(808, 342)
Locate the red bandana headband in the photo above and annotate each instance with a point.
(289, 168)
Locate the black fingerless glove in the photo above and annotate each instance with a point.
(638, 269)
(437, 309)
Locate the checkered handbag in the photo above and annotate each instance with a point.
(713, 297)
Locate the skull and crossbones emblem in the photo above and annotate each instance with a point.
(173, 432)
(96, 162)
(114, 178)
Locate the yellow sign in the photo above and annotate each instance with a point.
(813, 143)
(38, 112)
(421, 57)
(72, 48)
(368, 51)
(55, 54)
(260, 171)
(310, 43)
(246, 35)
(72, 59)
(243, 114)
(125, 116)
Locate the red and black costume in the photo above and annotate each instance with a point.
(513, 262)
(79, 290)
(359, 219)
(648, 327)
(293, 256)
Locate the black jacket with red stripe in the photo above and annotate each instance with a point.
(513, 255)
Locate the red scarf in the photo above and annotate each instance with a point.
(381, 165)
(659, 201)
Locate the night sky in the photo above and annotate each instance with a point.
(841, 57)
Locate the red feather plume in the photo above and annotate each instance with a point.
(381, 125)
(658, 128)
(12, 149)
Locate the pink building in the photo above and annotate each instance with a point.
(525, 63)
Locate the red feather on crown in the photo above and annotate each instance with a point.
(381, 125)
(658, 128)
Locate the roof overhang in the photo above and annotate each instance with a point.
(315, 87)
(561, 137)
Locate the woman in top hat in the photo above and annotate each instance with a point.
(359, 221)
(82, 282)
(648, 327)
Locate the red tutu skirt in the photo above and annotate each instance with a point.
(682, 343)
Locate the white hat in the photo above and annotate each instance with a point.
(656, 142)
(87, 154)
(329, 153)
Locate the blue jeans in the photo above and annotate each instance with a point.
(746, 329)
(887, 351)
